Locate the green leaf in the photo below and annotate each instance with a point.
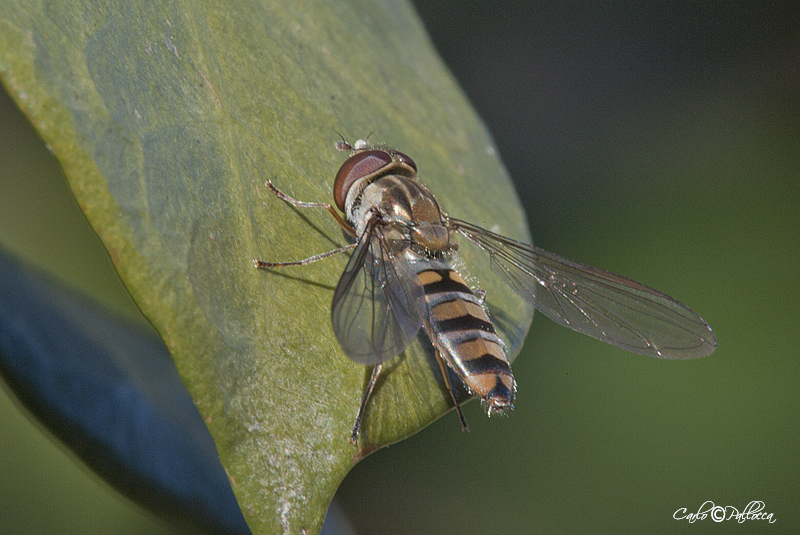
(167, 119)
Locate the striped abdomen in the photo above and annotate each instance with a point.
(464, 335)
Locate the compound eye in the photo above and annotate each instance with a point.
(404, 158)
(355, 167)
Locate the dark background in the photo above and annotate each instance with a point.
(659, 141)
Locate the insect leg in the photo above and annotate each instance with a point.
(367, 393)
(451, 390)
(304, 262)
(300, 204)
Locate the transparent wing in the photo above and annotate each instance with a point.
(378, 305)
(595, 302)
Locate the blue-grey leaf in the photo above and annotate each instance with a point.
(109, 391)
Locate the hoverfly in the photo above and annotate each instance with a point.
(401, 278)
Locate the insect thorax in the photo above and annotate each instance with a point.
(408, 211)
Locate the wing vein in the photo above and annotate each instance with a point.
(598, 303)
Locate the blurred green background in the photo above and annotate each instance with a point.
(661, 142)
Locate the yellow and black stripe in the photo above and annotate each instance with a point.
(463, 333)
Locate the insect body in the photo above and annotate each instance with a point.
(400, 278)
